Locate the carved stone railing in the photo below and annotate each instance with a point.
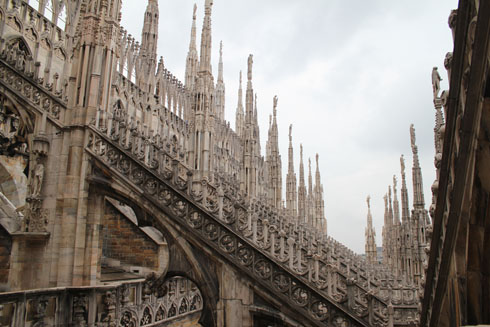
(272, 251)
(22, 81)
(131, 303)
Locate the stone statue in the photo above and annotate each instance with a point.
(250, 63)
(368, 200)
(402, 164)
(37, 180)
(436, 82)
(275, 101)
(412, 138)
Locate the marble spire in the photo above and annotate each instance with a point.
(301, 189)
(206, 39)
(220, 88)
(239, 120)
(291, 192)
(321, 221)
(404, 193)
(418, 188)
(192, 62)
(370, 246)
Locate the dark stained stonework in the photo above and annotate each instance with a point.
(457, 288)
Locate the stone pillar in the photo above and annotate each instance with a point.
(235, 299)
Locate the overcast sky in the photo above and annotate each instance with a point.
(351, 76)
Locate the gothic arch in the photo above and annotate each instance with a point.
(161, 313)
(146, 316)
(203, 273)
(20, 42)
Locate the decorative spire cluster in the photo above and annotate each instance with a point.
(212, 149)
(404, 240)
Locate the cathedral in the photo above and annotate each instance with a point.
(127, 199)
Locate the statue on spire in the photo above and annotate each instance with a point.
(368, 200)
(195, 11)
(402, 164)
(275, 101)
(394, 182)
(250, 63)
(291, 133)
(412, 138)
(436, 82)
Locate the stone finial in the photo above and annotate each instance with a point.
(194, 13)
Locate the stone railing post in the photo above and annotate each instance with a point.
(37, 67)
(391, 313)
(110, 119)
(204, 189)
(291, 252)
(351, 284)
(175, 171)
(273, 240)
(317, 257)
(221, 195)
(255, 219)
(370, 301)
(56, 76)
(282, 243)
(190, 180)
(265, 229)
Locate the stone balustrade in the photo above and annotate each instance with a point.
(129, 303)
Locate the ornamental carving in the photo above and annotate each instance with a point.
(13, 132)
